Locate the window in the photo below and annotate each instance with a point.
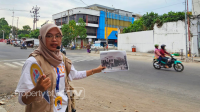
(83, 16)
(93, 19)
(91, 31)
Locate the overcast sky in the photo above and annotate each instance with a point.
(50, 7)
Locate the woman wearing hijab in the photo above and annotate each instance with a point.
(55, 77)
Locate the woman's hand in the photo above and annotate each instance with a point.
(96, 70)
(43, 83)
(99, 69)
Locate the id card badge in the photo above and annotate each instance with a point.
(58, 102)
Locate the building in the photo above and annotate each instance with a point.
(195, 26)
(96, 25)
(195, 7)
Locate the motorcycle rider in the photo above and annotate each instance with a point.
(163, 52)
(157, 54)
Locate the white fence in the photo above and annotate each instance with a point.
(171, 34)
(142, 40)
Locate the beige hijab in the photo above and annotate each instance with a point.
(53, 57)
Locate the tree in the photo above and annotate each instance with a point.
(27, 28)
(3, 22)
(34, 34)
(69, 32)
(81, 29)
(4, 26)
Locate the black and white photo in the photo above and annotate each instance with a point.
(114, 60)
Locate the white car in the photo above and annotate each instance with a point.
(111, 46)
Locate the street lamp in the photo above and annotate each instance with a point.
(3, 34)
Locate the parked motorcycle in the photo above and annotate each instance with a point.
(178, 66)
(23, 47)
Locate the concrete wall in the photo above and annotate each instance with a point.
(142, 40)
(195, 7)
(171, 34)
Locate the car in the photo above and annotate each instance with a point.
(17, 43)
(92, 46)
(111, 46)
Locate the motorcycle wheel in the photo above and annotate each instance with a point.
(156, 65)
(178, 67)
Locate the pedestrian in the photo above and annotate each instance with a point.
(57, 72)
(88, 48)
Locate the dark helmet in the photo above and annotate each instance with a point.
(163, 46)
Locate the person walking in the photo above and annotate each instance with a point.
(88, 48)
(57, 69)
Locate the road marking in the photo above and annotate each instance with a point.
(23, 62)
(8, 64)
(18, 63)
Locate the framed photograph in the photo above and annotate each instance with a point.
(114, 60)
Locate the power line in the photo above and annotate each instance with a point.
(83, 2)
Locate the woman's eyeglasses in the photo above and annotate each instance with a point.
(57, 36)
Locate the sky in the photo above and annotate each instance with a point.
(50, 7)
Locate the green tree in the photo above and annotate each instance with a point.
(34, 34)
(81, 29)
(27, 28)
(4, 26)
(69, 32)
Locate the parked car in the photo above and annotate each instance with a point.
(111, 46)
(17, 43)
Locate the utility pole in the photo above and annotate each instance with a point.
(17, 26)
(35, 16)
(68, 17)
(186, 28)
(12, 23)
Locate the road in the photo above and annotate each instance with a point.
(141, 74)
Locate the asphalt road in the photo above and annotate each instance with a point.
(141, 74)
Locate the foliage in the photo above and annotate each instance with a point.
(34, 34)
(136, 26)
(23, 35)
(27, 28)
(81, 29)
(71, 31)
(148, 21)
(5, 27)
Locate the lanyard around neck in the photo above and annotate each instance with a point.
(58, 80)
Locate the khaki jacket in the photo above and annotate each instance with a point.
(41, 105)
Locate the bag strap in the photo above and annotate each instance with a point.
(68, 64)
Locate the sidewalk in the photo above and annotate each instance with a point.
(197, 59)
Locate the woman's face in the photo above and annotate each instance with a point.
(51, 39)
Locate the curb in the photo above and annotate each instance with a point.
(2, 109)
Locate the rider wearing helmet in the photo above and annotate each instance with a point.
(157, 53)
(163, 52)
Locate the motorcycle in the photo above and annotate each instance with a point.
(23, 47)
(178, 66)
(64, 51)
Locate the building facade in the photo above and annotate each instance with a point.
(95, 18)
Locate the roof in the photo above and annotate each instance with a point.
(101, 6)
